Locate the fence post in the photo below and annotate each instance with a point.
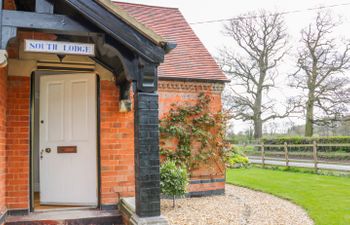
(314, 147)
(286, 153)
(263, 154)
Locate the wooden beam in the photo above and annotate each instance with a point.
(44, 6)
(148, 77)
(1, 13)
(127, 57)
(139, 56)
(59, 24)
(6, 34)
(118, 29)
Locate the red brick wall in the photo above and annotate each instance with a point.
(181, 92)
(18, 111)
(117, 142)
(117, 147)
(3, 96)
(206, 187)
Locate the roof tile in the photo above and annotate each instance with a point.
(190, 59)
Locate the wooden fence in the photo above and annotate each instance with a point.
(287, 159)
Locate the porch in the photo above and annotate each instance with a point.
(61, 113)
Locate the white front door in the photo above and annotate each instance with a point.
(68, 133)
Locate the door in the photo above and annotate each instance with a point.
(68, 133)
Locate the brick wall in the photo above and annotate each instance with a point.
(203, 187)
(3, 96)
(187, 92)
(117, 147)
(18, 111)
(117, 142)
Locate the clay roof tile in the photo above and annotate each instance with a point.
(190, 59)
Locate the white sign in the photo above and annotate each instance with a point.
(58, 47)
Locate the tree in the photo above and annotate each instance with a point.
(321, 64)
(173, 179)
(261, 40)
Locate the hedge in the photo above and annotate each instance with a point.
(310, 140)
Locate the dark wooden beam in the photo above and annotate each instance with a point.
(44, 6)
(138, 55)
(147, 77)
(59, 24)
(118, 29)
(27, 5)
(127, 57)
(124, 90)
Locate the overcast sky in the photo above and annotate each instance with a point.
(211, 33)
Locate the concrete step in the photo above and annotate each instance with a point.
(69, 217)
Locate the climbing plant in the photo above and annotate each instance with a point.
(192, 134)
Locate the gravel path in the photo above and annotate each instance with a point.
(239, 206)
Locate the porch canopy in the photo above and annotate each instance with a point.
(124, 46)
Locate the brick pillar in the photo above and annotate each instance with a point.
(147, 175)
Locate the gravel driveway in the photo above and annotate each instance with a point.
(239, 206)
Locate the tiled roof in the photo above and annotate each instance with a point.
(117, 11)
(190, 59)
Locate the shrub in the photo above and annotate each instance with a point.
(173, 179)
(309, 140)
(237, 158)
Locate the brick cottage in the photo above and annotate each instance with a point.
(82, 85)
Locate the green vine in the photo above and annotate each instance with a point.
(192, 134)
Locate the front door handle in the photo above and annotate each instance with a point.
(47, 150)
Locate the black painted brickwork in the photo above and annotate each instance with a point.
(3, 217)
(18, 212)
(207, 181)
(147, 175)
(206, 193)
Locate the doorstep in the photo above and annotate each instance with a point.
(68, 217)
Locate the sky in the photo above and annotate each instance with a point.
(212, 37)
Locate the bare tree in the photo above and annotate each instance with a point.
(261, 40)
(321, 65)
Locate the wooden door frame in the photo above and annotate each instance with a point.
(34, 110)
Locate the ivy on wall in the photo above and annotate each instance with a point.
(192, 134)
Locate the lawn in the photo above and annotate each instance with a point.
(326, 198)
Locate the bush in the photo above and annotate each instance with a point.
(309, 140)
(237, 158)
(173, 179)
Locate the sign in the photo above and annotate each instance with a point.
(59, 47)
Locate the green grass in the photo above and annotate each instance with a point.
(326, 198)
(304, 170)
